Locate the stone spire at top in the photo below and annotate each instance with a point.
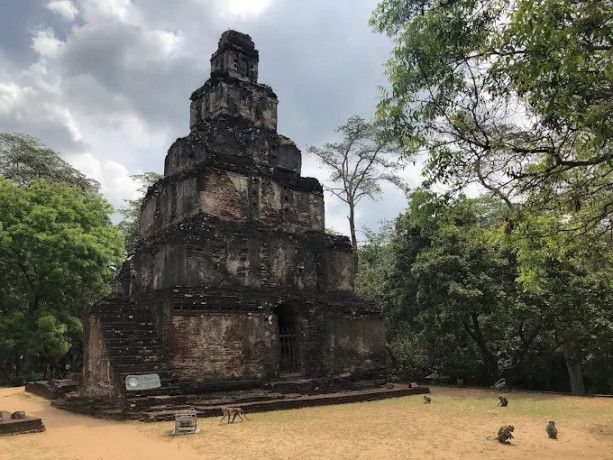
(236, 57)
(233, 91)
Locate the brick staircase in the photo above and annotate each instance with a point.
(134, 348)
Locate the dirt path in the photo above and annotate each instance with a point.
(71, 436)
(455, 425)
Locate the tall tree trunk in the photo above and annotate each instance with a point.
(489, 359)
(17, 365)
(573, 365)
(354, 240)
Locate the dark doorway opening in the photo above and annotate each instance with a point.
(288, 340)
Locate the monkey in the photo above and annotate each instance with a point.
(504, 433)
(504, 402)
(427, 399)
(551, 429)
(232, 412)
(510, 226)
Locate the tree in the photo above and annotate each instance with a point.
(24, 159)
(575, 283)
(58, 250)
(358, 164)
(131, 212)
(463, 287)
(514, 95)
(463, 296)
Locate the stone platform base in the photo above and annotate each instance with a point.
(52, 389)
(20, 426)
(212, 408)
(286, 393)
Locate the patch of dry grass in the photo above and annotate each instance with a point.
(456, 425)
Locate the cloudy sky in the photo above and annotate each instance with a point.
(107, 82)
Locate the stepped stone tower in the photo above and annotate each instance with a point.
(235, 281)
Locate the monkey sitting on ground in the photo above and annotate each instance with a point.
(504, 402)
(551, 429)
(427, 399)
(232, 412)
(504, 433)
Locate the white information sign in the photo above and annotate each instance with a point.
(142, 382)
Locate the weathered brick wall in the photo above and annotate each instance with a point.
(250, 101)
(354, 345)
(336, 270)
(233, 197)
(218, 346)
(206, 253)
(98, 375)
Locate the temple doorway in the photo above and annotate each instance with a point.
(289, 362)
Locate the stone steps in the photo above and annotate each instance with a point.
(134, 348)
(129, 333)
(138, 325)
(129, 349)
(144, 359)
(140, 367)
(133, 342)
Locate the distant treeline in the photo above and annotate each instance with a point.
(475, 295)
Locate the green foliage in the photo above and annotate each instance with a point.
(374, 264)
(465, 296)
(58, 250)
(24, 159)
(515, 95)
(565, 67)
(574, 279)
(131, 212)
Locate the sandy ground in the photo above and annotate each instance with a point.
(460, 423)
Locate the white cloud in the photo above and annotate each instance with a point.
(115, 182)
(45, 43)
(12, 97)
(245, 7)
(64, 8)
(101, 10)
(62, 114)
(159, 45)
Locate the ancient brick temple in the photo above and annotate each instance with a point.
(235, 281)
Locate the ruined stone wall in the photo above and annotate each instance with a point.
(98, 374)
(218, 346)
(354, 345)
(234, 143)
(254, 103)
(236, 197)
(243, 256)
